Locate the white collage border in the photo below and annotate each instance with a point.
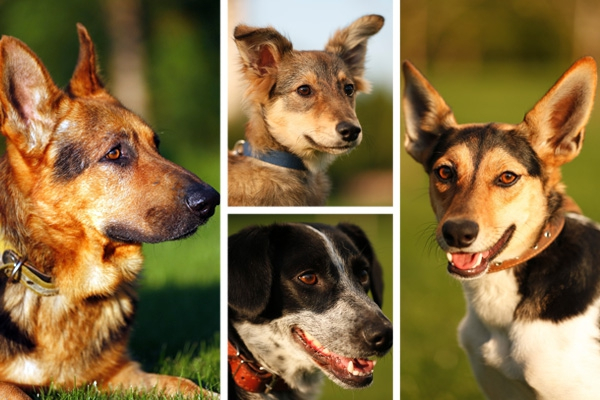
(225, 210)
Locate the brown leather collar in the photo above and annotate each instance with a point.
(250, 376)
(550, 232)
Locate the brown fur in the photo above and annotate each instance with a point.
(75, 200)
(280, 119)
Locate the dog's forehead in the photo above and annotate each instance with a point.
(99, 119)
(481, 139)
(318, 64)
(335, 242)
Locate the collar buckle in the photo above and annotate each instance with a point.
(279, 158)
(17, 269)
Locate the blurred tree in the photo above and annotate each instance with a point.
(477, 31)
(586, 34)
(128, 58)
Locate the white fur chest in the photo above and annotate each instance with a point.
(494, 298)
(537, 359)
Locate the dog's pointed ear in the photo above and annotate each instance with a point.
(360, 240)
(250, 272)
(350, 43)
(85, 80)
(556, 123)
(261, 49)
(27, 97)
(426, 114)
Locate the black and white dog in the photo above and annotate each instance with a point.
(298, 306)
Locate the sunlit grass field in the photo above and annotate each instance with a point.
(432, 365)
(379, 230)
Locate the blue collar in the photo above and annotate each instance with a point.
(279, 158)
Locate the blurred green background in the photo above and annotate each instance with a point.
(175, 50)
(379, 231)
(491, 61)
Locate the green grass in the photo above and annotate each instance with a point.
(379, 230)
(432, 304)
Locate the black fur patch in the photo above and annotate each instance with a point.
(564, 280)
(70, 162)
(13, 340)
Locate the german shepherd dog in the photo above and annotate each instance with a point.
(83, 185)
(298, 309)
(527, 259)
(301, 114)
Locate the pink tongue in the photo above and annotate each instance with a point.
(465, 260)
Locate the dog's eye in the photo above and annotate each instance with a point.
(507, 178)
(113, 154)
(363, 276)
(308, 278)
(349, 90)
(304, 90)
(444, 173)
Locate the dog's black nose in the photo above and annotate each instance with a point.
(379, 336)
(202, 200)
(460, 233)
(348, 130)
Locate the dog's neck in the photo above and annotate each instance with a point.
(279, 158)
(549, 233)
(262, 141)
(13, 214)
(250, 376)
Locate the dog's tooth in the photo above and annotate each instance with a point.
(350, 366)
(449, 257)
(325, 351)
(309, 336)
(479, 258)
(316, 343)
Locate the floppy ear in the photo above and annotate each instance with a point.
(426, 114)
(358, 236)
(261, 49)
(27, 97)
(85, 80)
(249, 271)
(556, 123)
(350, 44)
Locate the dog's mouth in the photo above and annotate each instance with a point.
(474, 265)
(125, 234)
(331, 149)
(352, 372)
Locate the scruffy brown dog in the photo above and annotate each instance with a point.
(301, 114)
